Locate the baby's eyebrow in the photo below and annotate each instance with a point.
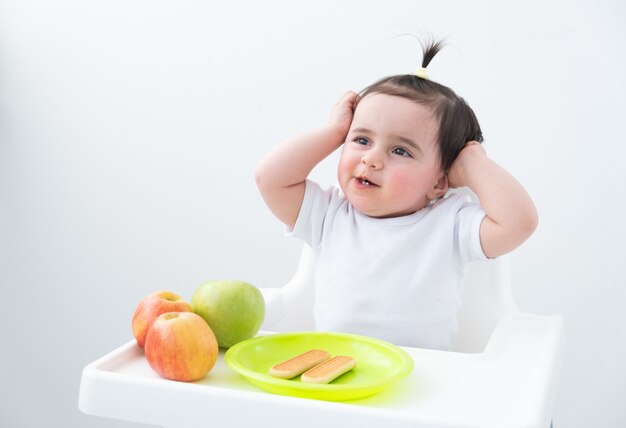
(363, 130)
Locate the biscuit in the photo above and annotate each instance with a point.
(299, 364)
(329, 370)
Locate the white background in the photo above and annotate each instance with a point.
(129, 133)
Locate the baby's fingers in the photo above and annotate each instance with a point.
(343, 111)
(348, 99)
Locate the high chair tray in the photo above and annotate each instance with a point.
(508, 385)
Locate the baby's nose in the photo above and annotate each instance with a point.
(372, 160)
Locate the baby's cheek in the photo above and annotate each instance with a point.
(345, 165)
(408, 188)
(403, 179)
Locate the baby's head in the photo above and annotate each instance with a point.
(405, 134)
(457, 122)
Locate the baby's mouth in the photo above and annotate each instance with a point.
(365, 182)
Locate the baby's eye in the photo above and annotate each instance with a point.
(400, 151)
(362, 141)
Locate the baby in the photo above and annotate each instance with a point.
(390, 244)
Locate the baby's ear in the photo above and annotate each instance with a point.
(439, 189)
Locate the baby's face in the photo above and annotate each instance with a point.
(389, 165)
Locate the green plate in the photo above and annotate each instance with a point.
(378, 364)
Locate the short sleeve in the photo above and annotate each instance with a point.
(467, 232)
(315, 206)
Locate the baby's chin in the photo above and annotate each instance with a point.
(378, 209)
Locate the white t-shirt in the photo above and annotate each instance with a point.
(397, 279)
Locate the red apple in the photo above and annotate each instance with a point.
(151, 307)
(181, 346)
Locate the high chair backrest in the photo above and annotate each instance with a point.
(486, 299)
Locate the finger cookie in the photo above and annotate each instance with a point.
(329, 370)
(299, 364)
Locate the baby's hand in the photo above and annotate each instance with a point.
(456, 174)
(343, 111)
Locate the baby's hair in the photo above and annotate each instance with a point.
(429, 51)
(457, 122)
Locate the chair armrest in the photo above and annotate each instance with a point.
(290, 307)
(274, 307)
(527, 336)
(531, 346)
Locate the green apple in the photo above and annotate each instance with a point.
(233, 309)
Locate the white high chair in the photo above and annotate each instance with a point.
(502, 374)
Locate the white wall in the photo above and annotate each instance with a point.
(129, 132)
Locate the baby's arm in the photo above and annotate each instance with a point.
(280, 176)
(511, 214)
